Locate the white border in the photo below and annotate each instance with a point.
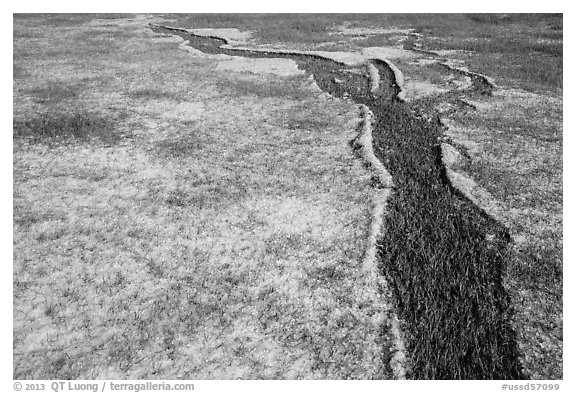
(292, 6)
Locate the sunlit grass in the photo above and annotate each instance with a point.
(220, 236)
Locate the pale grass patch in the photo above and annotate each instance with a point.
(424, 78)
(280, 67)
(414, 89)
(379, 52)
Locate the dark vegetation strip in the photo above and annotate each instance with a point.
(443, 256)
(63, 126)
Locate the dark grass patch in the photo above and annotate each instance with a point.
(152, 94)
(55, 92)
(494, 44)
(303, 121)
(532, 72)
(26, 218)
(185, 145)
(21, 34)
(198, 193)
(18, 72)
(66, 20)
(524, 50)
(446, 274)
(310, 28)
(66, 126)
(547, 70)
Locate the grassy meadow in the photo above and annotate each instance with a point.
(175, 221)
(188, 216)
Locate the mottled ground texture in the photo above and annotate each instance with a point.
(181, 216)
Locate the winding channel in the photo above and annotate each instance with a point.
(443, 256)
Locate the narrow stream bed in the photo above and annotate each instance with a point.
(443, 256)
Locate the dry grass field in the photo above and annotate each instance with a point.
(179, 215)
(175, 221)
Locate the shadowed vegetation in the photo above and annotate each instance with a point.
(64, 126)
